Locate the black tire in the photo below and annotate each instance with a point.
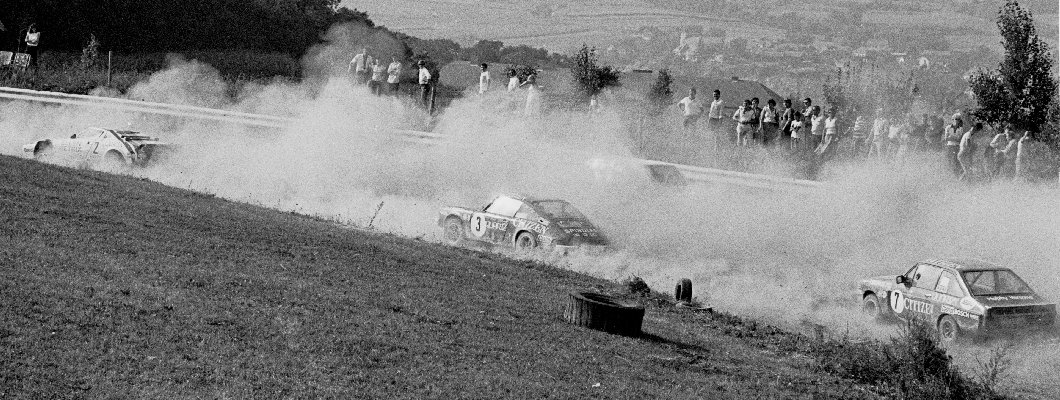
(870, 307)
(949, 332)
(604, 313)
(525, 241)
(683, 290)
(453, 232)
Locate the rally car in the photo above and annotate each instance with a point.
(522, 223)
(958, 297)
(98, 145)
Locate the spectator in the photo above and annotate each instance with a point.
(533, 96)
(715, 121)
(787, 116)
(393, 81)
(894, 137)
(816, 127)
(952, 139)
(922, 133)
(1008, 169)
(33, 44)
(903, 130)
(807, 111)
(744, 117)
(756, 123)
(770, 122)
(425, 83)
(513, 80)
(879, 135)
(998, 145)
(359, 66)
(1023, 148)
(860, 136)
(966, 152)
(378, 75)
(691, 108)
(831, 135)
(484, 79)
(796, 133)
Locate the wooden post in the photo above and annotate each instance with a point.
(110, 55)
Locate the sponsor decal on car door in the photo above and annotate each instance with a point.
(488, 227)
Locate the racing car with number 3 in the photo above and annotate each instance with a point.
(98, 145)
(959, 298)
(522, 223)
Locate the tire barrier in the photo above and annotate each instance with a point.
(683, 291)
(604, 313)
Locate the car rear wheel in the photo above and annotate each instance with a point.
(454, 232)
(949, 332)
(525, 241)
(43, 152)
(870, 307)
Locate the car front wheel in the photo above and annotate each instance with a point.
(870, 307)
(949, 332)
(525, 241)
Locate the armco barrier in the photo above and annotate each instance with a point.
(692, 173)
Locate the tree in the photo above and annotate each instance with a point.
(1021, 90)
(590, 78)
(660, 95)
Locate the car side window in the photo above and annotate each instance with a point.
(927, 276)
(504, 206)
(949, 284)
(527, 212)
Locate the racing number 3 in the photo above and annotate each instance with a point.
(476, 225)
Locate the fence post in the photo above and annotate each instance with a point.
(110, 54)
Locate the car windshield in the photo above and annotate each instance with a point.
(994, 282)
(557, 209)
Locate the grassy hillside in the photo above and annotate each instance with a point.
(114, 287)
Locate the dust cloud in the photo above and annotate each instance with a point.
(791, 257)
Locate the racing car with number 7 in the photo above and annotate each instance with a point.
(959, 298)
(522, 223)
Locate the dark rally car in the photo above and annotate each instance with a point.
(959, 297)
(523, 223)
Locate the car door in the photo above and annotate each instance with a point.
(922, 301)
(491, 224)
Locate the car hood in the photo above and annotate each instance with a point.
(1008, 300)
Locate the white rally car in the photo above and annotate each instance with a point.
(98, 145)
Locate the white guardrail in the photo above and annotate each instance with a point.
(691, 173)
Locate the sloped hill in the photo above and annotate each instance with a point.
(112, 286)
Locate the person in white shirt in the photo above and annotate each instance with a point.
(879, 135)
(378, 76)
(831, 133)
(745, 118)
(359, 66)
(33, 44)
(425, 83)
(796, 132)
(394, 78)
(533, 96)
(716, 119)
(484, 79)
(691, 109)
(816, 127)
(769, 123)
(513, 80)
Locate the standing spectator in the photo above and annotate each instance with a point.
(902, 131)
(879, 135)
(533, 96)
(966, 152)
(33, 44)
(1023, 149)
(484, 79)
(796, 133)
(359, 66)
(393, 81)
(770, 123)
(787, 116)
(425, 83)
(952, 139)
(1008, 169)
(860, 137)
(715, 121)
(378, 76)
(831, 134)
(756, 123)
(745, 123)
(816, 127)
(922, 133)
(691, 108)
(807, 111)
(998, 146)
(513, 80)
